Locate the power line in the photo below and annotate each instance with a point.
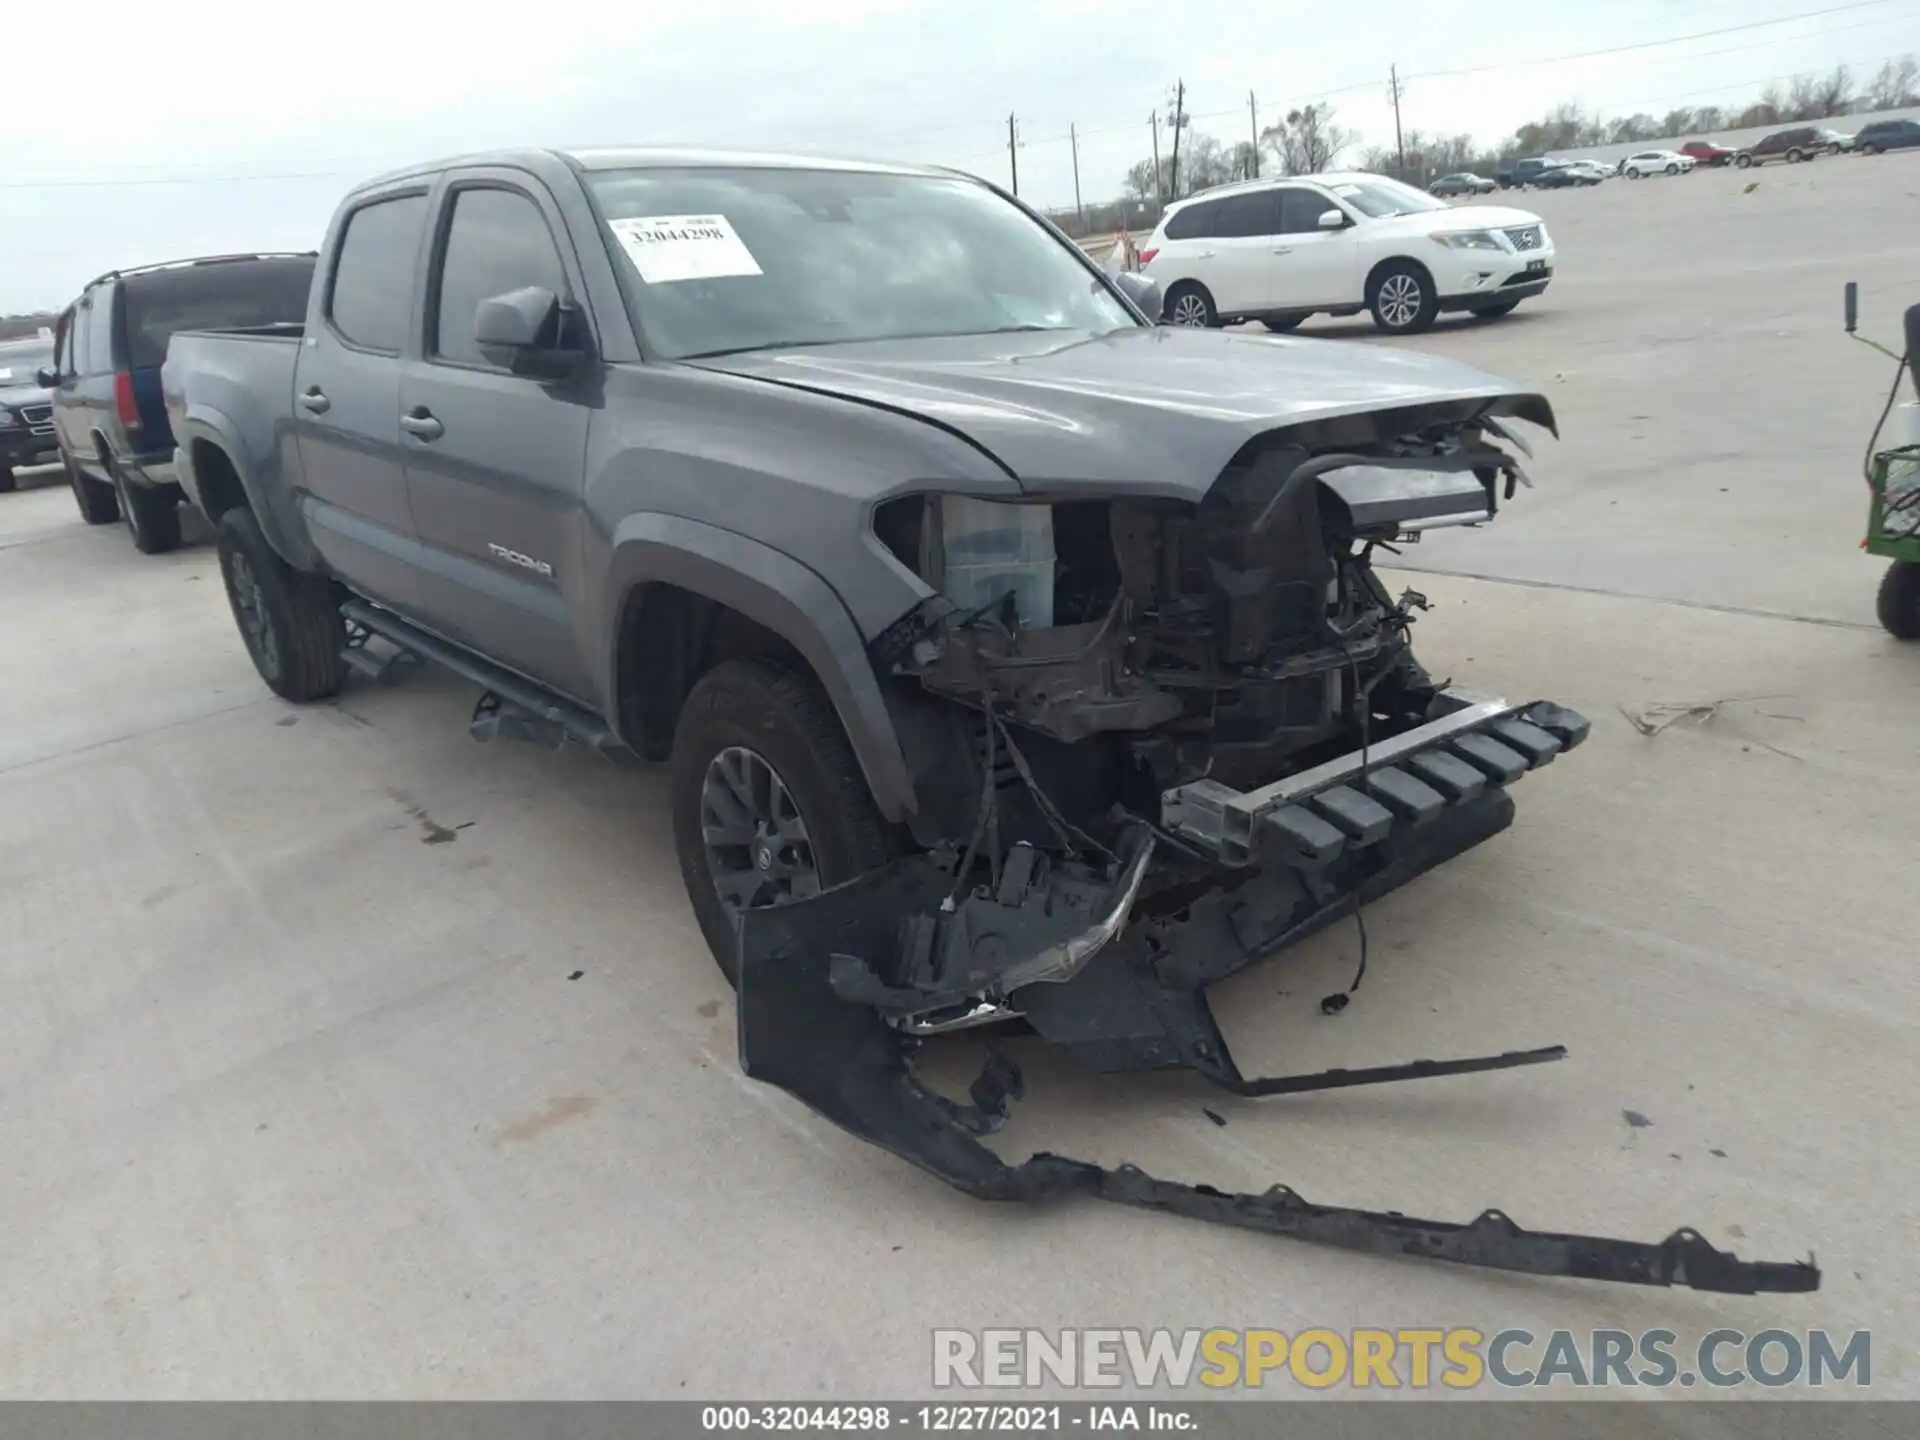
(115, 182)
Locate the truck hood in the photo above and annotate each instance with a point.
(1157, 410)
(12, 395)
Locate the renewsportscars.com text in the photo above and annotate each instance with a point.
(1454, 1358)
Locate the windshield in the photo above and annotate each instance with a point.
(18, 363)
(749, 259)
(1383, 197)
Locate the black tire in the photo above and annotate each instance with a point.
(1632, 174)
(1833, 149)
(7, 482)
(1899, 600)
(152, 516)
(1389, 292)
(99, 503)
(1869, 149)
(1282, 324)
(787, 721)
(1743, 162)
(1188, 304)
(1794, 157)
(1495, 310)
(289, 620)
(1673, 169)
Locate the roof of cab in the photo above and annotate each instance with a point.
(654, 157)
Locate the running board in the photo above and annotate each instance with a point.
(512, 708)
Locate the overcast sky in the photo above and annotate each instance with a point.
(198, 126)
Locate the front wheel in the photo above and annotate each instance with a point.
(1673, 169)
(1189, 305)
(1899, 600)
(1743, 162)
(769, 803)
(1869, 149)
(1403, 299)
(290, 620)
(1632, 174)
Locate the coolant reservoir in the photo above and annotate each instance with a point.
(987, 549)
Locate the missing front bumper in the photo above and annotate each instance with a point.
(842, 1059)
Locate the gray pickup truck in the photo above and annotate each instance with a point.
(1014, 657)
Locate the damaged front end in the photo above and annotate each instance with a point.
(1155, 741)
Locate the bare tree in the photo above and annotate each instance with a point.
(1204, 163)
(1306, 141)
(1676, 122)
(1629, 129)
(1709, 117)
(1769, 109)
(1894, 86)
(1243, 161)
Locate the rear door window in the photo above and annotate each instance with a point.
(497, 241)
(372, 297)
(213, 295)
(1244, 216)
(98, 356)
(1193, 223)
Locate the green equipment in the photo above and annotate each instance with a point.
(1892, 470)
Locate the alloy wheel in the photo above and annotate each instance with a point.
(250, 607)
(1399, 300)
(758, 849)
(1190, 310)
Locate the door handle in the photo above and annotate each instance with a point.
(420, 424)
(316, 401)
(1283, 249)
(1204, 255)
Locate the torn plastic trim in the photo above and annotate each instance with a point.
(842, 1060)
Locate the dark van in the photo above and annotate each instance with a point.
(108, 347)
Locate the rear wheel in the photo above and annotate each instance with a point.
(290, 620)
(769, 804)
(1190, 305)
(152, 516)
(1402, 298)
(98, 503)
(1794, 157)
(1899, 601)
(1743, 162)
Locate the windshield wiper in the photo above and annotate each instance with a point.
(763, 345)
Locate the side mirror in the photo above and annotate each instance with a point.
(1333, 220)
(1142, 290)
(46, 379)
(527, 332)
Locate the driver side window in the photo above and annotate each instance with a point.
(497, 241)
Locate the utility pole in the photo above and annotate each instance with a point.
(1013, 153)
(1253, 120)
(1179, 124)
(1393, 89)
(1159, 186)
(1073, 139)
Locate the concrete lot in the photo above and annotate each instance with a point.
(300, 1096)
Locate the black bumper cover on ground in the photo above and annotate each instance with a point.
(1142, 1005)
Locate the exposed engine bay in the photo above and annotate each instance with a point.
(1155, 741)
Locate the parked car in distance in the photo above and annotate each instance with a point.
(1463, 182)
(1574, 172)
(1281, 250)
(1884, 135)
(1522, 173)
(1705, 152)
(1655, 162)
(109, 345)
(1837, 143)
(26, 407)
(1803, 142)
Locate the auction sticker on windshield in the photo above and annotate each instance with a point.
(665, 248)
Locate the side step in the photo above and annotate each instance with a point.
(513, 708)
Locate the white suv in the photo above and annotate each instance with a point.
(1655, 162)
(1281, 250)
